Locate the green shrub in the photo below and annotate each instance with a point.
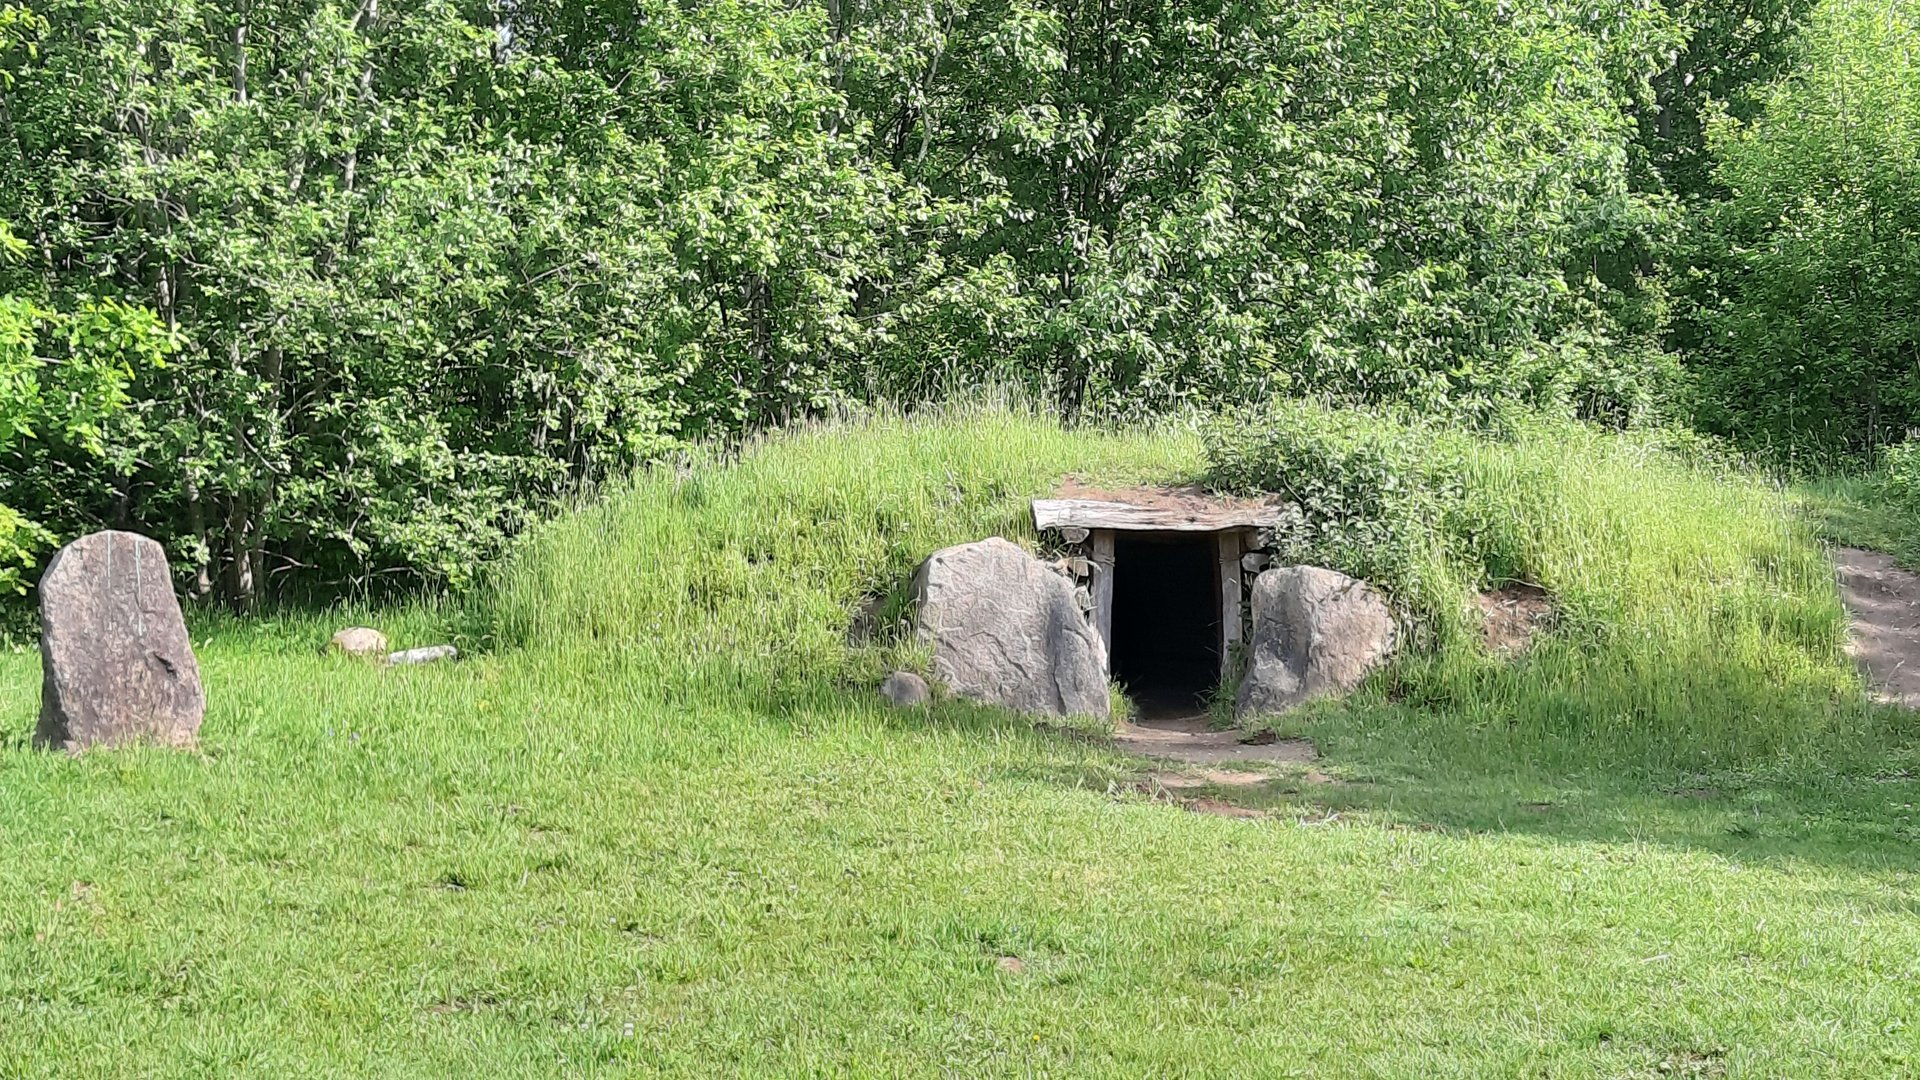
(1900, 475)
(1369, 494)
(1804, 295)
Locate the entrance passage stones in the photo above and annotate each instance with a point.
(1006, 630)
(1315, 632)
(118, 668)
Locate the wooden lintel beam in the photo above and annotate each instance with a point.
(1126, 517)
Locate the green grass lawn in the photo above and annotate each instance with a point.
(499, 869)
(595, 851)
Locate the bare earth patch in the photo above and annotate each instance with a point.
(1204, 778)
(1189, 739)
(1883, 602)
(1512, 616)
(1222, 809)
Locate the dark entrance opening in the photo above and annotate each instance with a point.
(1166, 622)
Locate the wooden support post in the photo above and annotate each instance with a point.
(1103, 590)
(1230, 544)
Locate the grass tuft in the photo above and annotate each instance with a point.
(1697, 622)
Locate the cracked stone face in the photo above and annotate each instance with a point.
(117, 665)
(1005, 630)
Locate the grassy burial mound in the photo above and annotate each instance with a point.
(1693, 617)
(660, 823)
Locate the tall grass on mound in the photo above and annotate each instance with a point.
(742, 573)
(1697, 619)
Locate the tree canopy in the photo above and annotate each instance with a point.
(420, 270)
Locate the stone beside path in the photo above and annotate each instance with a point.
(1316, 632)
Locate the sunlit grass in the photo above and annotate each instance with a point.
(657, 824)
(741, 573)
(1697, 619)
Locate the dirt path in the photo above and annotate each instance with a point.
(1884, 602)
(1190, 740)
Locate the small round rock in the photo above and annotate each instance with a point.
(358, 641)
(906, 690)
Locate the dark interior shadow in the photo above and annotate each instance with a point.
(1166, 622)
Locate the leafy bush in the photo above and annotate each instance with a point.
(1369, 495)
(64, 376)
(1900, 475)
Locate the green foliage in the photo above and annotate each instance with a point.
(1900, 475)
(429, 276)
(1368, 494)
(1733, 52)
(63, 378)
(1374, 201)
(433, 266)
(1806, 298)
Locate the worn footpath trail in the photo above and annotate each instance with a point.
(1883, 602)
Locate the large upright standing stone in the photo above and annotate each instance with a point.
(1315, 632)
(117, 664)
(1005, 630)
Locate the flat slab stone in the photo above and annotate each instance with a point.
(1192, 741)
(1134, 517)
(117, 665)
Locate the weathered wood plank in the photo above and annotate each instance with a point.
(1229, 561)
(1087, 514)
(1103, 590)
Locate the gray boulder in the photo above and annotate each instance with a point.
(116, 663)
(1005, 630)
(906, 690)
(1315, 632)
